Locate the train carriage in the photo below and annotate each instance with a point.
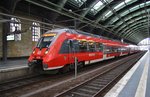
(57, 49)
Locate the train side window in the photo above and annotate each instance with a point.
(119, 49)
(114, 49)
(82, 46)
(110, 49)
(92, 47)
(107, 49)
(99, 47)
(75, 46)
(65, 47)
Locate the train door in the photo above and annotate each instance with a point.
(71, 54)
(73, 49)
(104, 52)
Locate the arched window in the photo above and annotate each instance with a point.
(35, 31)
(15, 26)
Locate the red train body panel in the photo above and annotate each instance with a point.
(59, 47)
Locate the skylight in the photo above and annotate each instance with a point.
(127, 1)
(108, 13)
(108, 1)
(119, 5)
(114, 20)
(80, 2)
(124, 13)
(135, 8)
(98, 5)
(148, 2)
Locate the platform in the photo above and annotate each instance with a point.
(136, 83)
(13, 64)
(12, 69)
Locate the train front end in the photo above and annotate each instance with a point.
(40, 53)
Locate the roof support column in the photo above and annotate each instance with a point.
(6, 29)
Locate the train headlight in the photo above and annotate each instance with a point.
(46, 52)
(33, 52)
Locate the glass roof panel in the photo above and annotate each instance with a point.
(114, 20)
(124, 13)
(127, 18)
(142, 5)
(123, 26)
(79, 2)
(98, 5)
(134, 15)
(130, 1)
(135, 8)
(119, 6)
(120, 23)
(108, 13)
(127, 1)
(148, 2)
(108, 1)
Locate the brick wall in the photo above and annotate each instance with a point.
(23, 47)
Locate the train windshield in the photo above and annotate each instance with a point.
(44, 42)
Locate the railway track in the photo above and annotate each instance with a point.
(12, 87)
(96, 87)
(20, 82)
(26, 80)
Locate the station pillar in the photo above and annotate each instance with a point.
(6, 29)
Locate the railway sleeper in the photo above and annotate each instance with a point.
(92, 87)
(88, 90)
(89, 93)
(79, 94)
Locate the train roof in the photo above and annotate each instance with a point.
(73, 31)
(60, 30)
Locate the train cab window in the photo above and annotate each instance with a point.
(45, 42)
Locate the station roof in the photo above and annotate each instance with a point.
(117, 19)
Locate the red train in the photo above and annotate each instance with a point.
(57, 49)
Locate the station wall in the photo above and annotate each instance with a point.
(23, 47)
